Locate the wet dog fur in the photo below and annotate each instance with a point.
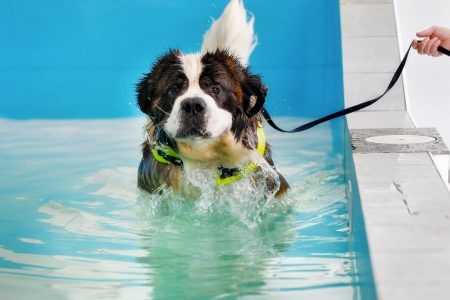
(197, 101)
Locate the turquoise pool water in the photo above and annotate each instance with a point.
(74, 226)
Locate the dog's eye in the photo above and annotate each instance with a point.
(206, 82)
(215, 90)
(174, 90)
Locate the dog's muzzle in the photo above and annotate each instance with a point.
(192, 116)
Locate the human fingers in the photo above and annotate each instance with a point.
(434, 48)
(422, 45)
(414, 44)
(427, 32)
(427, 48)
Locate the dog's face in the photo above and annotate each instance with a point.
(199, 97)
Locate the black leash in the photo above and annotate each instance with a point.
(351, 109)
(444, 51)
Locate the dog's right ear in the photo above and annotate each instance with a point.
(255, 92)
(145, 90)
(148, 88)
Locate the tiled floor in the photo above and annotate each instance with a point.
(370, 53)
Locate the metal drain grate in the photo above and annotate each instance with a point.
(398, 140)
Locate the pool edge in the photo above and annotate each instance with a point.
(399, 199)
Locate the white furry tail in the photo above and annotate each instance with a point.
(232, 32)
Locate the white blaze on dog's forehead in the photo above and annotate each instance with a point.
(217, 120)
(192, 67)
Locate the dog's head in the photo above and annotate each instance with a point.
(199, 97)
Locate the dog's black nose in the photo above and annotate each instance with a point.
(193, 105)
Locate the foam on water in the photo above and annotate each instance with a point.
(73, 225)
(246, 200)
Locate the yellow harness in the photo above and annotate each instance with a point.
(166, 155)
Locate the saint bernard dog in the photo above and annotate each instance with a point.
(203, 111)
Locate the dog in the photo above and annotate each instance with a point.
(203, 111)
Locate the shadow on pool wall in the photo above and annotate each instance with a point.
(79, 59)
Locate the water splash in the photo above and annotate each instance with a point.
(247, 200)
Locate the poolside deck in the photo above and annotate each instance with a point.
(404, 201)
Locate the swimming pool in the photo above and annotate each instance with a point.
(73, 224)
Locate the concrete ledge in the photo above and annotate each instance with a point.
(406, 210)
(363, 52)
(362, 86)
(373, 20)
(379, 119)
(398, 200)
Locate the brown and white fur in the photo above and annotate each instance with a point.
(197, 101)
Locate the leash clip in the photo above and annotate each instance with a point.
(252, 103)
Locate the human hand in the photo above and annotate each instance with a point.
(433, 38)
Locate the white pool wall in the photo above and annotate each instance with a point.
(426, 79)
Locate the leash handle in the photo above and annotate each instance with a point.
(444, 51)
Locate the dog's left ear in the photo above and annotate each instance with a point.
(255, 92)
